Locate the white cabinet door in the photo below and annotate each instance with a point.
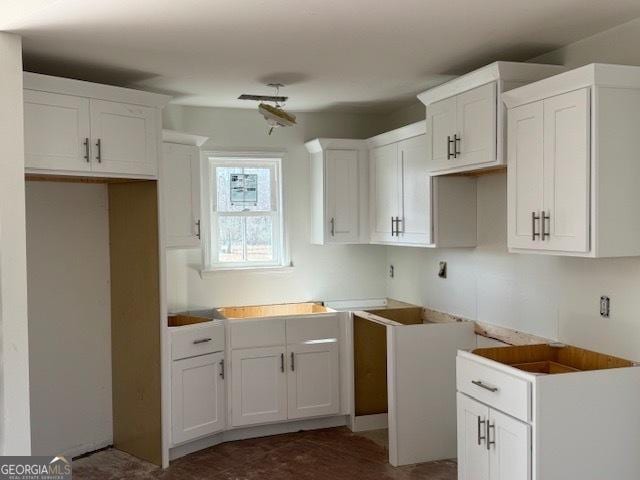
(509, 448)
(525, 175)
(473, 457)
(197, 397)
(181, 194)
(124, 138)
(313, 380)
(258, 386)
(415, 224)
(476, 126)
(441, 127)
(385, 192)
(567, 171)
(341, 194)
(56, 132)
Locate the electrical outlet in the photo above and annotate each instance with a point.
(605, 306)
(442, 270)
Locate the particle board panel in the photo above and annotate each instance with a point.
(258, 311)
(36, 177)
(405, 316)
(370, 367)
(135, 322)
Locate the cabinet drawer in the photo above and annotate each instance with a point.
(497, 389)
(256, 333)
(313, 328)
(197, 341)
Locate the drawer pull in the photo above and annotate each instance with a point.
(481, 384)
(201, 340)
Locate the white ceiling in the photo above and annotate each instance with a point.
(372, 55)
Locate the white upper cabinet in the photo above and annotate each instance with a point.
(338, 191)
(180, 186)
(465, 119)
(408, 206)
(125, 138)
(572, 157)
(57, 134)
(86, 129)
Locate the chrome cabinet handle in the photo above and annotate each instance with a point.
(198, 233)
(86, 150)
(393, 227)
(293, 362)
(99, 152)
(534, 218)
(398, 222)
(481, 384)
(481, 423)
(201, 340)
(543, 222)
(282, 362)
(333, 227)
(449, 142)
(222, 369)
(456, 144)
(489, 441)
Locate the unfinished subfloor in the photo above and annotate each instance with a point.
(333, 453)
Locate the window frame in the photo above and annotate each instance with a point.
(272, 160)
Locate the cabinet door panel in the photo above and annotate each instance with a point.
(385, 191)
(567, 171)
(313, 380)
(510, 455)
(258, 386)
(197, 397)
(473, 457)
(342, 195)
(127, 135)
(55, 129)
(525, 174)
(441, 124)
(181, 194)
(415, 227)
(476, 125)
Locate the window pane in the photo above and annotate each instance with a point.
(259, 239)
(240, 178)
(230, 239)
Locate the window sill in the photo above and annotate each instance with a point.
(277, 269)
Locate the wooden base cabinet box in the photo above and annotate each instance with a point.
(540, 412)
(573, 143)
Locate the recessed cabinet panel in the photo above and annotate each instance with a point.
(415, 224)
(181, 194)
(342, 195)
(441, 127)
(473, 457)
(525, 174)
(124, 138)
(385, 192)
(566, 167)
(56, 132)
(476, 124)
(509, 448)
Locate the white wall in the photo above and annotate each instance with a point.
(319, 273)
(554, 297)
(14, 367)
(69, 317)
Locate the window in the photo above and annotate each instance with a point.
(245, 222)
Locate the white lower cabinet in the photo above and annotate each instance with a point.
(313, 381)
(491, 445)
(258, 385)
(197, 397)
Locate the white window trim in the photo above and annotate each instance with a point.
(208, 190)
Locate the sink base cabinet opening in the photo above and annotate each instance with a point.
(94, 316)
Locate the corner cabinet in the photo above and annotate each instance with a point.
(180, 188)
(408, 206)
(86, 129)
(338, 191)
(572, 147)
(465, 118)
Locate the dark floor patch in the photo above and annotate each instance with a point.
(333, 453)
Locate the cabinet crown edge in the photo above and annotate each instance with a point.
(81, 88)
(321, 144)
